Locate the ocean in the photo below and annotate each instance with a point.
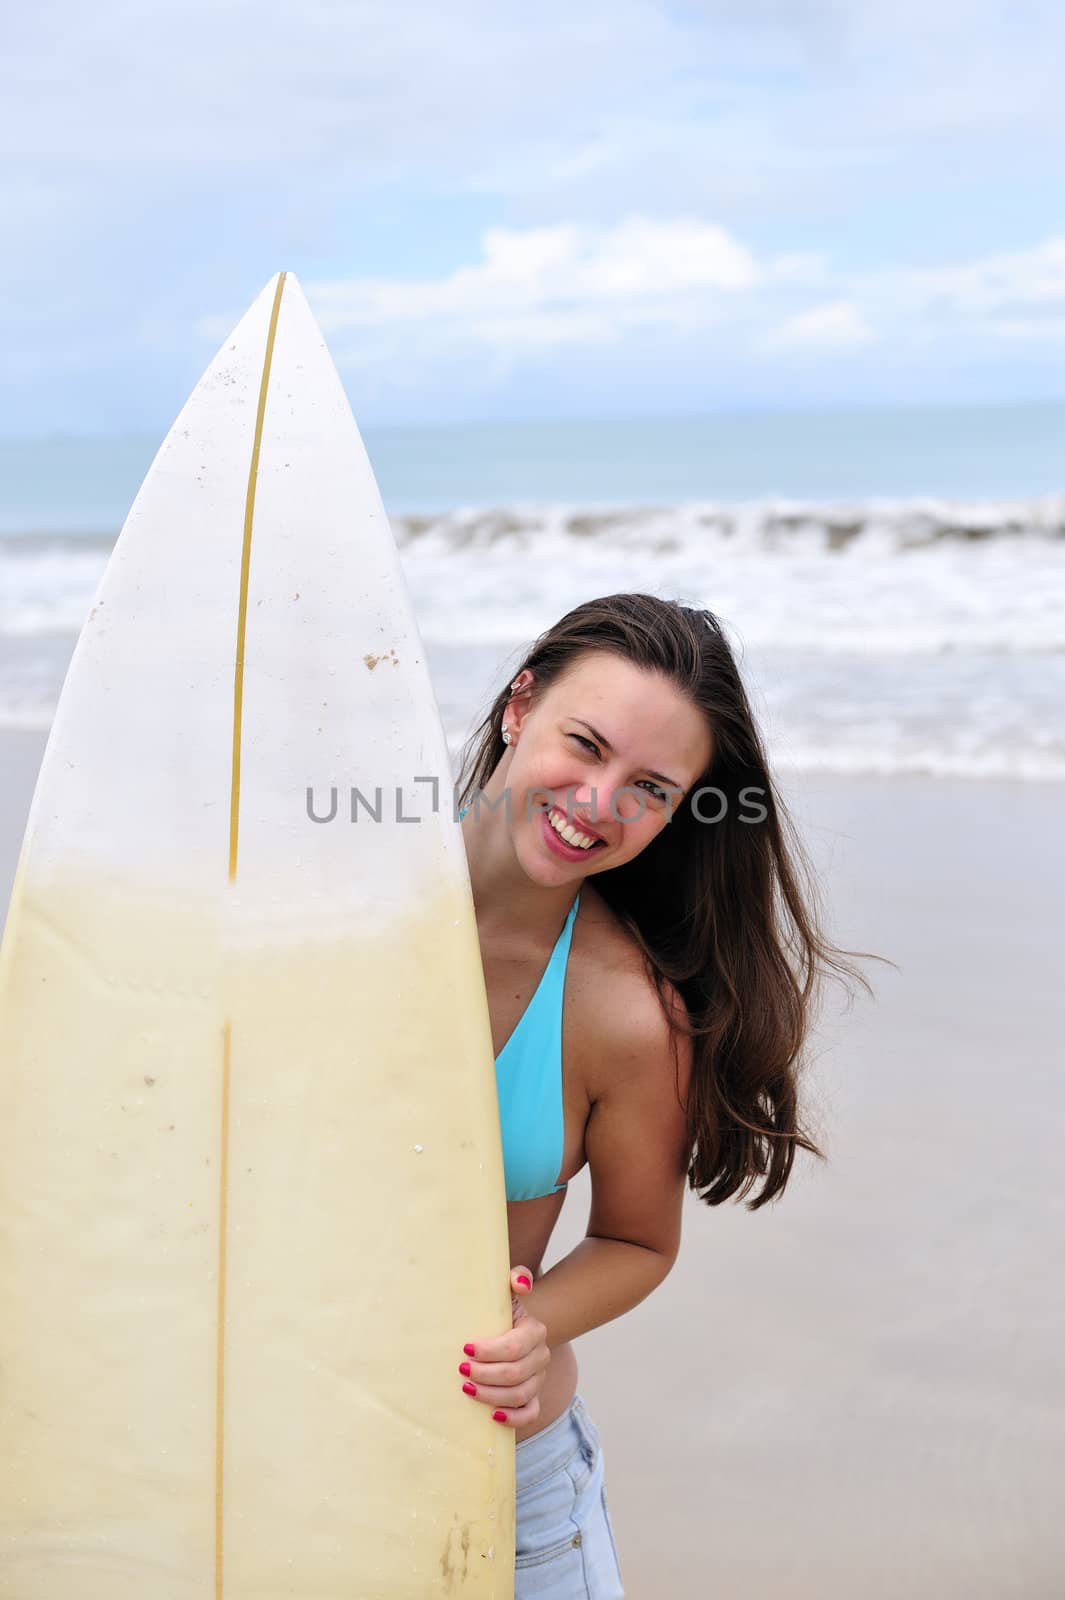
(893, 580)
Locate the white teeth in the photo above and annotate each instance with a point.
(566, 831)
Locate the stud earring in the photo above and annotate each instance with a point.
(506, 735)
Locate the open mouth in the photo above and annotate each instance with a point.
(569, 834)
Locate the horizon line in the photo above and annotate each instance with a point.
(441, 425)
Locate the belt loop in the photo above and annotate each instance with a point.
(585, 1427)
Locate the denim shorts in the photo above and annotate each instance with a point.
(565, 1545)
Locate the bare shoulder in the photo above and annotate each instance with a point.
(623, 1029)
(637, 1066)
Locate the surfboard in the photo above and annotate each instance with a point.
(251, 1186)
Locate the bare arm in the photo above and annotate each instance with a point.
(637, 1152)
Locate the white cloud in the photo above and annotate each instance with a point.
(563, 285)
(995, 284)
(536, 290)
(964, 306)
(738, 96)
(836, 325)
(1042, 329)
(720, 168)
(356, 83)
(809, 269)
(568, 283)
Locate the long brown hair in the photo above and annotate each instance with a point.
(728, 914)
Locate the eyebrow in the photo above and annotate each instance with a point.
(601, 739)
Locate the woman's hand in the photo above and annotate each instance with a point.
(508, 1373)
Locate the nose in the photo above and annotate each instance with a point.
(625, 804)
(585, 800)
(605, 802)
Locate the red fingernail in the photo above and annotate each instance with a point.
(470, 1351)
(523, 1279)
(464, 1368)
(499, 1416)
(469, 1388)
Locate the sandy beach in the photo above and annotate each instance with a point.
(858, 1391)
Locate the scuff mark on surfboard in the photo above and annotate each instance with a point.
(372, 661)
(456, 1551)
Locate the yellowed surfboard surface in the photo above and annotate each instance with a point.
(251, 1188)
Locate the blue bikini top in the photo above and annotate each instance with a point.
(529, 1083)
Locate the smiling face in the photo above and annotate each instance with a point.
(605, 753)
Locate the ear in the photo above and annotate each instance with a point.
(520, 702)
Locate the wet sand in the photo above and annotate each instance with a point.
(858, 1391)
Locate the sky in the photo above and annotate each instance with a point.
(616, 207)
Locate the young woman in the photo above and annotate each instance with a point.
(651, 959)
